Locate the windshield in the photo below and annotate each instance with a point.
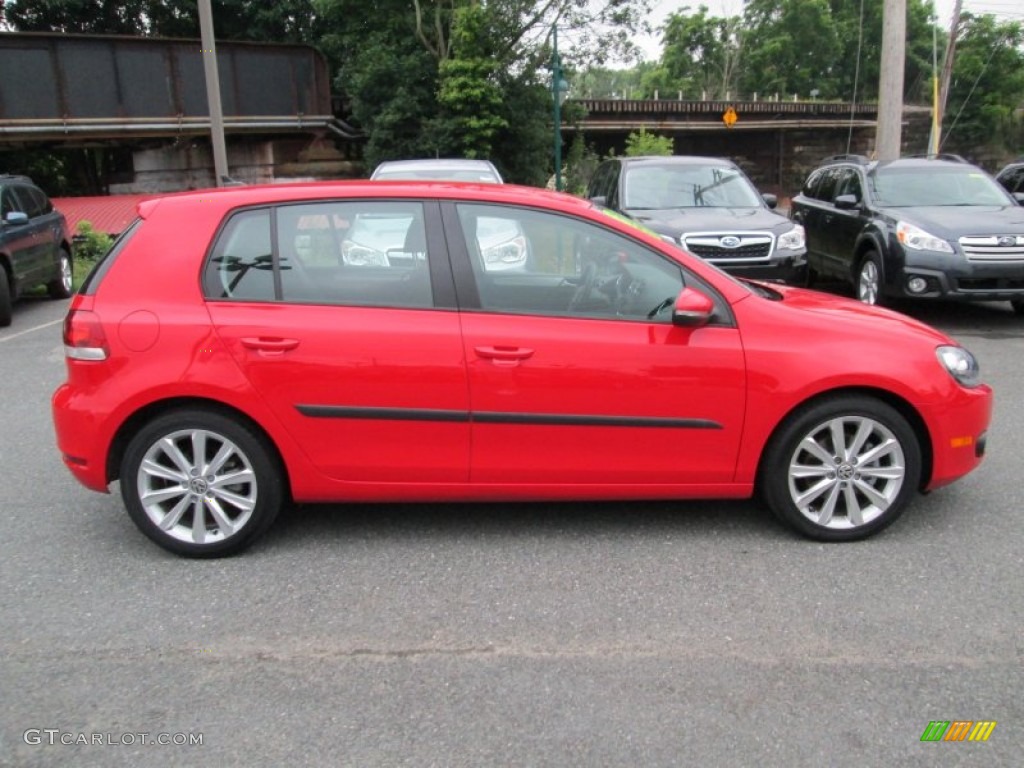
(909, 187)
(659, 187)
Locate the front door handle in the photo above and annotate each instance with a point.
(269, 344)
(504, 355)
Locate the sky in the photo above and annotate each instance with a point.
(1006, 10)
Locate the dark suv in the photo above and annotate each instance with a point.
(929, 227)
(1012, 178)
(34, 245)
(709, 207)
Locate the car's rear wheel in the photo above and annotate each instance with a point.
(201, 484)
(5, 299)
(60, 286)
(842, 468)
(869, 279)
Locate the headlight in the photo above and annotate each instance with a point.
(917, 239)
(961, 365)
(794, 240)
(511, 253)
(357, 255)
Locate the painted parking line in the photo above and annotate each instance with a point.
(31, 330)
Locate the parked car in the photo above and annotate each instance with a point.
(924, 228)
(449, 169)
(218, 367)
(1012, 179)
(503, 246)
(709, 207)
(34, 244)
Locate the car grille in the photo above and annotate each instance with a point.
(730, 248)
(993, 248)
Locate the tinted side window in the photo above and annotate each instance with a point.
(810, 188)
(359, 253)
(242, 263)
(849, 184)
(351, 253)
(572, 268)
(827, 188)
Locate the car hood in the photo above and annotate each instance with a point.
(843, 313)
(954, 221)
(677, 221)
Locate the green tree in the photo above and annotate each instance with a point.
(469, 92)
(701, 53)
(987, 88)
(640, 143)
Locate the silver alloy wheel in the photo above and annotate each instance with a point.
(197, 486)
(66, 277)
(846, 472)
(867, 285)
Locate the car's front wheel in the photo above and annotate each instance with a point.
(869, 279)
(200, 483)
(842, 468)
(60, 286)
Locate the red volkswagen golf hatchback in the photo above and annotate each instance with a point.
(241, 349)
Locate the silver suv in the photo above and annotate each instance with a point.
(34, 245)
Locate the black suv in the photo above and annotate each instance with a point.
(709, 207)
(929, 227)
(1012, 178)
(34, 245)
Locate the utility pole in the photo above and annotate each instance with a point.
(947, 75)
(208, 42)
(890, 82)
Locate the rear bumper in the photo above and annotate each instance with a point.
(79, 440)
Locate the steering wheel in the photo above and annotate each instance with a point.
(629, 290)
(583, 290)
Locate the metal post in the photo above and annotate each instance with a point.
(556, 83)
(220, 154)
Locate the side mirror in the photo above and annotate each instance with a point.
(692, 309)
(600, 200)
(16, 218)
(770, 200)
(846, 202)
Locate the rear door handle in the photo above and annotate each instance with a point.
(269, 344)
(504, 355)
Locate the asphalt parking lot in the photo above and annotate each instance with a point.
(641, 634)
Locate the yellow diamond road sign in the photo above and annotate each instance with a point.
(730, 117)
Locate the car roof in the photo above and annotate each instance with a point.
(454, 164)
(227, 198)
(676, 160)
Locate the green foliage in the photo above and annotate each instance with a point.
(469, 94)
(987, 87)
(580, 163)
(640, 143)
(90, 244)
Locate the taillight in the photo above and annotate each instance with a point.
(84, 338)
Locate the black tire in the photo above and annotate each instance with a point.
(5, 299)
(60, 286)
(187, 493)
(832, 500)
(868, 280)
(1018, 306)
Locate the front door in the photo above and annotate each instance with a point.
(576, 374)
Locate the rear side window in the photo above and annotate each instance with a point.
(370, 253)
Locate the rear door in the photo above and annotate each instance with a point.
(576, 374)
(341, 315)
